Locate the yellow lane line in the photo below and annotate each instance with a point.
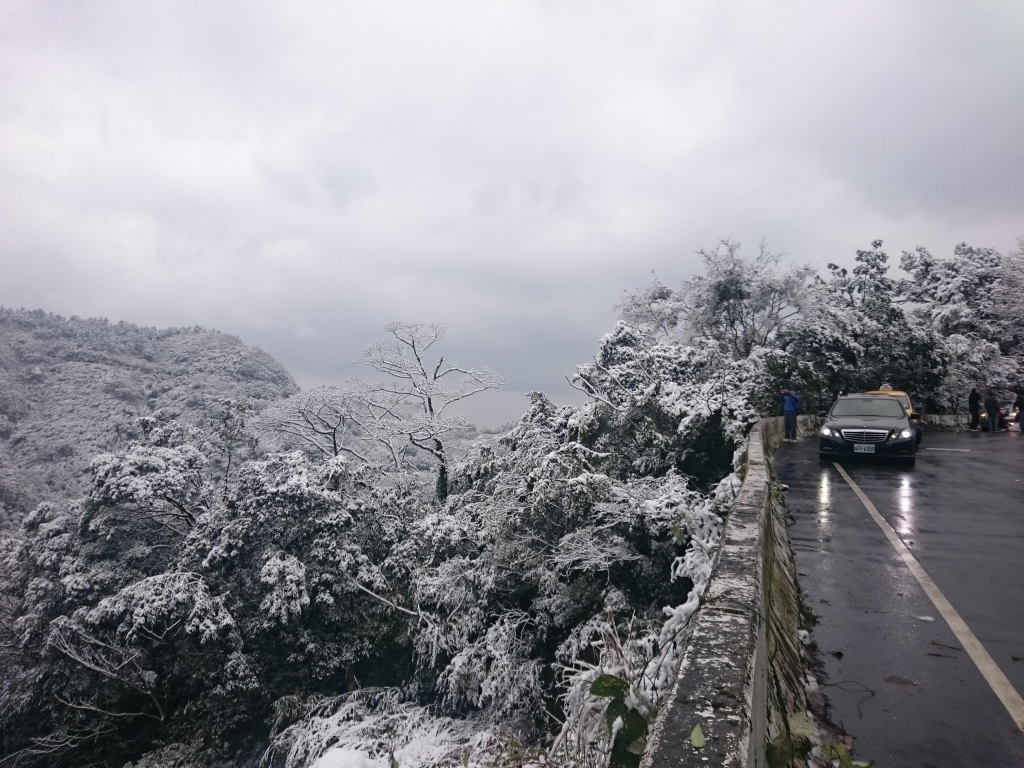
(986, 665)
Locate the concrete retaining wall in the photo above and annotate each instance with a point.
(741, 675)
(936, 423)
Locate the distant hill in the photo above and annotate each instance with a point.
(72, 388)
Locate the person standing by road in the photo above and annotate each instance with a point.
(974, 405)
(992, 411)
(790, 408)
(1018, 406)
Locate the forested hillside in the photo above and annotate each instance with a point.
(73, 388)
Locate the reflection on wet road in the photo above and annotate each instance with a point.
(897, 677)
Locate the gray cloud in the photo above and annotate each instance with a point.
(301, 173)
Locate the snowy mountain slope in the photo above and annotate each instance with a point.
(72, 388)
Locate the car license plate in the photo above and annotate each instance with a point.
(863, 448)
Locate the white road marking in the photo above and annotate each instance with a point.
(951, 450)
(986, 665)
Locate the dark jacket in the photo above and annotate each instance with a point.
(790, 403)
(991, 407)
(974, 402)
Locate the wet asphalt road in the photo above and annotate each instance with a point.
(901, 685)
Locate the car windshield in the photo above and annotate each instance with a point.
(868, 406)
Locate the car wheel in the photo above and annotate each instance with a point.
(911, 461)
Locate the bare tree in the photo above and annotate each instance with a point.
(430, 387)
(409, 410)
(325, 420)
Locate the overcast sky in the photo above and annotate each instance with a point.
(300, 173)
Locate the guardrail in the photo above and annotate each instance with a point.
(741, 675)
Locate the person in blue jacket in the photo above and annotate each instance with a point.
(790, 408)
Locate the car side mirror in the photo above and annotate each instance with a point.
(915, 416)
(822, 414)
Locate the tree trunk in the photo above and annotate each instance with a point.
(442, 472)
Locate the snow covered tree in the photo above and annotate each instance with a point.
(854, 335)
(386, 422)
(1009, 304)
(166, 609)
(548, 550)
(98, 608)
(973, 302)
(742, 303)
(660, 405)
(1009, 310)
(160, 602)
(955, 295)
(430, 387)
(336, 420)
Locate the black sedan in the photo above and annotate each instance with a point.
(868, 425)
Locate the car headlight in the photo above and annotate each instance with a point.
(826, 431)
(908, 432)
